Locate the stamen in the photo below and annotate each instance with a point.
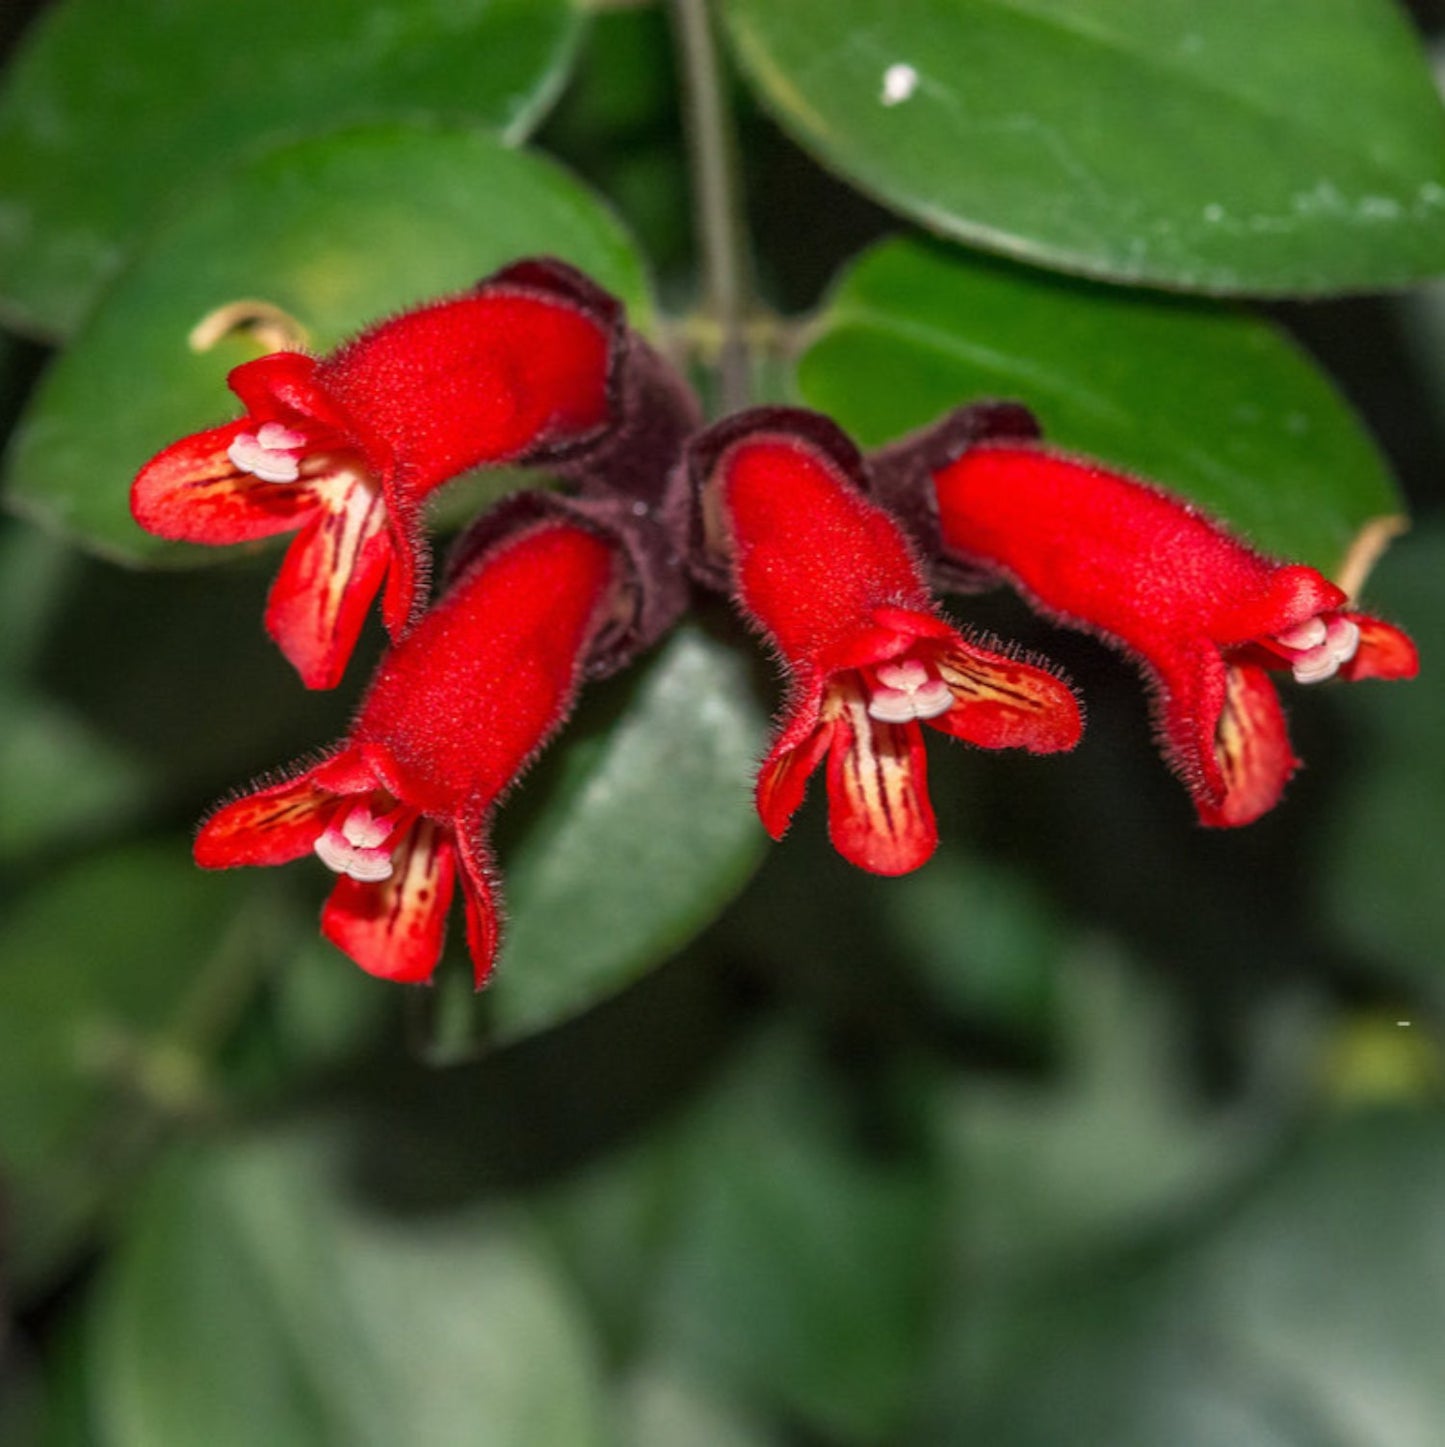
(904, 674)
(277, 436)
(1309, 634)
(1341, 641)
(268, 453)
(907, 692)
(357, 845)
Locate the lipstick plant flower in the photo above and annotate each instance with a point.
(344, 449)
(829, 579)
(454, 714)
(1208, 618)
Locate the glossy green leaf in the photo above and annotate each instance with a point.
(618, 121)
(797, 1268)
(175, 669)
(259, 1299)
(1378, 889)
(1312, 1317)
(66, 1410)
(765, 1244)
(984, 940)
(1115, 1141)
(99, 961)
(18, 363)
(1203, 400)
(338, 231)
(60, 777)
(649, 833)
(1232, 147)
(663, 1408)
(36, 572)
(115, 108)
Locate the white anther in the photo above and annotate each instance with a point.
(268, 453)
(277, 436)
(891, 705)
(907, 692)
(1339, 645)
(355, 848)
(363, 829)
(1309, 634)
(907, 675)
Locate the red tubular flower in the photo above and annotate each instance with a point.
(1207, 616)
(346, 447)
(829, 578)
(455, 712)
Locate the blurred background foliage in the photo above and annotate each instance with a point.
(1101, 1130)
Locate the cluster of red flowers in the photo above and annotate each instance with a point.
(827, 554)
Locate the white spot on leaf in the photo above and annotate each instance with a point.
(899, 83)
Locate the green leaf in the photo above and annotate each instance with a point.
(649, 833)
(1377, 888)
(798, 1264)
(18, 365)
(618, 122)
(1311, 1318)
(65, 1406)
(173, 670)
(981, 936)
(1053, 1171)
(259, 1300)
(1227, 147)
(99, 960)
(61, 778)
(661, 1407)
(36, 574)
(1201, 399)
(338, 231)
(117, 107)
(766, 1247)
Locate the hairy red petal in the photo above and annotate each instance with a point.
(1293, 595)
(783, 778)
(396, 929)
(192, 492)
(1384, 652)
(403, 597)
(319, 601)
(1252, 747)
(812, 557)
(282, 387)
(1112, 553)
(1006, 703)
(280, 823)
(879, 814)
(1204, 612)
(497, 375)
(1189, 697)
(486, 676)
(885, 634)
(479, 893)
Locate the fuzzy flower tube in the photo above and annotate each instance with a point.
(1207, 616)
(455, 713)
(830, 580)
(344, 449)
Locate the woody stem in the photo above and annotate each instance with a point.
(716, 207)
